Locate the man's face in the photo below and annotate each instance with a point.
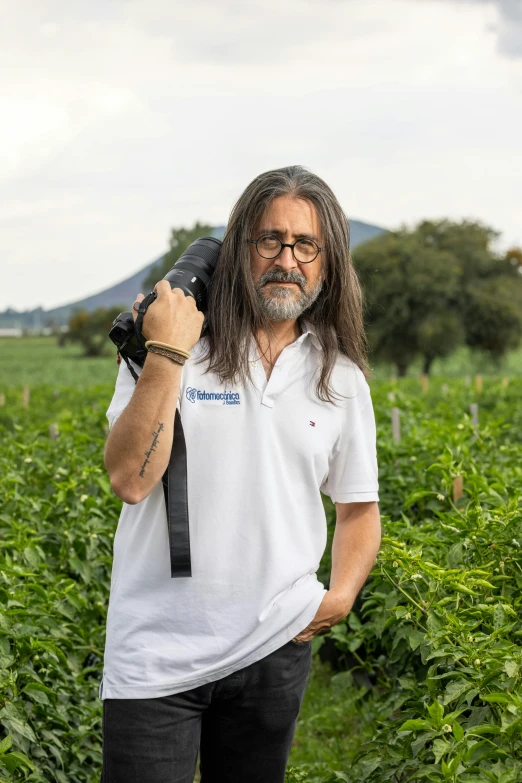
(286, 288)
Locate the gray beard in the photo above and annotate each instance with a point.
(282, 304)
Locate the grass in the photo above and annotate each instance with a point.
(461, 363)
(332, 725)
(35, 360)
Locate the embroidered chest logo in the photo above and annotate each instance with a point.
(312, 424)
(228, 398)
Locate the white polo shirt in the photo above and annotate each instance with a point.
(257, 461)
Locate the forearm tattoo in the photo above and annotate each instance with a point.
(153, 447)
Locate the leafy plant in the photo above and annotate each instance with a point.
(433, 641)
(437, 630)
(56, 527)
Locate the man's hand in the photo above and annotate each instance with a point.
(172, 318)
(334, 608)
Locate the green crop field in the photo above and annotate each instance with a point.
(35, 360)
(422, 682)
(38, 360)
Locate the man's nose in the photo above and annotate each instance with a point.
(286, 259)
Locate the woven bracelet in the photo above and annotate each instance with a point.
(176, 357)
(168, 347)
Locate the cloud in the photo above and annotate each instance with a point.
(128, 118)
(507, 26)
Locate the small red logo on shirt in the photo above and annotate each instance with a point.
(312, 424)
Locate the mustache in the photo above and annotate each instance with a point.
(276, 277)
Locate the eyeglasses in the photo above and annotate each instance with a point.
(303, 250)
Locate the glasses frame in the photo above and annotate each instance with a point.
(283, 245)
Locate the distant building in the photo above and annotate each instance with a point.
(11, 331)
(44, 331)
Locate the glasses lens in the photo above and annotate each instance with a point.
(305, 250)
(269, 246)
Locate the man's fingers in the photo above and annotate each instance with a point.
(135, 306)
(162, 286)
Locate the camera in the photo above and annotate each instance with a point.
(191, 272)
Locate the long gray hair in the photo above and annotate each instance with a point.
(234, 311)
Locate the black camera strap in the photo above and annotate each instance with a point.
(176, 502)
(176, 498)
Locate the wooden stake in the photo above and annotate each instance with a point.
(424, 382)
(396, 425)
(391, 396)
(478, 383)
(53, 431)
(2, 400)
(458, 488)
(25, 397)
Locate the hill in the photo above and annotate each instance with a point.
(124, 292)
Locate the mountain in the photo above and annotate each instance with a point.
(123, 293)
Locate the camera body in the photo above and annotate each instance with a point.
(192, 273)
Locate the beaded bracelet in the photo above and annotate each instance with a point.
(176, 357)
(167, 347)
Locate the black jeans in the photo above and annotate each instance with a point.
(242, 726)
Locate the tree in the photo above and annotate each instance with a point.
(493, 314)
(180, 239)
(435, 287)
(514, 257)
(91, 329)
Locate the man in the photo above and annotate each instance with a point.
(217, 663)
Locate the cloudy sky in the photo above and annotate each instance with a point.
(122, 118)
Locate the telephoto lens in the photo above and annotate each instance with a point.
(191, 272)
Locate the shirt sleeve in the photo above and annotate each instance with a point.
(125, 385)
(352, 470)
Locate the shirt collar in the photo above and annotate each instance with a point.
(309, 329)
